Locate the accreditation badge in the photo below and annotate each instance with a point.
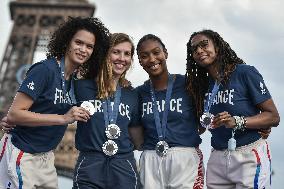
(88, 106)
(162, 148)
(206, 119)
(110, 148)
(112, 131)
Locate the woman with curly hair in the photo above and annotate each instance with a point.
(43, 105)
(233, 102)
(106, 158)
(171, 157)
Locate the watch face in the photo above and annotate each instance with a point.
(89, 107)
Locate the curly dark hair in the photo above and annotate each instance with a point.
(149, 37)
(197, 77)
(62, 37)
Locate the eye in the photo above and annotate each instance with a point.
(127, 53)
(204, 44)
(90, 46)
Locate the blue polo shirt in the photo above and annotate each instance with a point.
(43, 84)
(246, 89)
(91, 136)
(182, 127)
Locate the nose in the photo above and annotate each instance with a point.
(121, 57)
(83, 48)
(152, 58)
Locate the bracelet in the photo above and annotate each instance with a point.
(240, 123)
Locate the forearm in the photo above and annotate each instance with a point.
(136, 134)
(28, 118)
(264, 120)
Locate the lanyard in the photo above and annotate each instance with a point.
(161, 127)
(110, 114)
(71, 93)
(211, 97)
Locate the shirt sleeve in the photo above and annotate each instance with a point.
(35, 81)
(256, 86)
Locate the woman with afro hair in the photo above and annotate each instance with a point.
(44, 104)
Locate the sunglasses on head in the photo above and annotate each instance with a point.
(202, 44)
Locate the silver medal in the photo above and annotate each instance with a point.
(88, 106)
(206, 120)
(112, 131)
(162, 148)
(110, 148)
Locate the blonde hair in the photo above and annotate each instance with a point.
(106, 85)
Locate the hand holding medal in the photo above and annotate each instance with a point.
(89, 107)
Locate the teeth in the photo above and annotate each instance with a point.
(155, 66)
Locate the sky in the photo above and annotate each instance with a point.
(253, 28)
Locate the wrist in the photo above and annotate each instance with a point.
(240, 123)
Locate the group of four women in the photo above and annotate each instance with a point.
(164, 117)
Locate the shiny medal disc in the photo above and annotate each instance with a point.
(110, 148)
(88, 106)
(162, 148)
(112, 131)
(206, 119)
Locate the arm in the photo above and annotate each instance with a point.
(136, 134)
(268, 117)
(19, 114)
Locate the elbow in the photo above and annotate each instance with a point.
(11, 117)
(275, 120)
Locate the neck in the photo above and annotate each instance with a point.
(160, 82)
(213, 71)
(69, 68)
(115, 79)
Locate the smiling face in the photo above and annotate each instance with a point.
(80, 47)
(203, 50)
(152, 57)
(120, 58)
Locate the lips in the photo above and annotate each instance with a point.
(80, 56)
(119, 65)
(155, 66)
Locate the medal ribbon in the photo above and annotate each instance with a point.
(71, 92)
(211, 97)
(161, 127)
(110, 114)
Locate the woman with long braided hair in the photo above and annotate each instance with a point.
(232, 101)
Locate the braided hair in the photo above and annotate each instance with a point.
(197, 77)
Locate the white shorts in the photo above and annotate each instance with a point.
(247, 167)
(23, 170)
(181, 168)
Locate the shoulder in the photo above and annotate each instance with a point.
(179, 81)
(86, 83)
(144, 87)
(244, 68)
(130, 92)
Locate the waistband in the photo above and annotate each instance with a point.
(102, 155)
(248, 147)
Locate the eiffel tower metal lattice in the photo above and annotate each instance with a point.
(34, 21)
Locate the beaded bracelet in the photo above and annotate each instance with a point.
(240, 123)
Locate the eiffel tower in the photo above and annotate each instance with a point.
(34, 21)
